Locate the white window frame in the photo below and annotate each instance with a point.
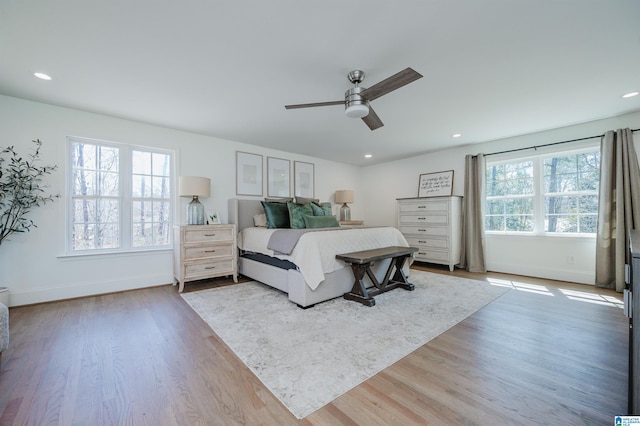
(126, 198)
(538, 189)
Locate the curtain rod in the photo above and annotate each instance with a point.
(549, 144)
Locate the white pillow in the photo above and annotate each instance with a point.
(260, 220)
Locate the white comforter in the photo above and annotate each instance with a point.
(315, 253)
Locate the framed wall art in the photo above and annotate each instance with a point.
(303, 179)
(248, 174)
(278, 177)
(435, 184)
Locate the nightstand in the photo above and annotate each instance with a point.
(351, 223)
(204, 251)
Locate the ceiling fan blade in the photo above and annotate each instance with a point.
(317, 104)
(372, 120)
(390, 84)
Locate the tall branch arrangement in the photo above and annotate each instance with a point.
(21, 189)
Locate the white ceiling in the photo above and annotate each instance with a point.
(492, 68)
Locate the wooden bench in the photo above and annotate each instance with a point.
(361, 262)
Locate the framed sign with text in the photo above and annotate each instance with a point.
(436, 184)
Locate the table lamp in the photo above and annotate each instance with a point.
(344, 196)
(194, 186)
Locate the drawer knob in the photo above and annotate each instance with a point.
(422, 241)
(422, 207)
(422, 218)
(209, 235)
(209, 251)
(422, 230)
(209, 267)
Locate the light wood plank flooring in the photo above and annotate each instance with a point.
(545, 353)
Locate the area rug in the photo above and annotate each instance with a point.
(307, 358)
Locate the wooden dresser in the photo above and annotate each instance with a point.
(204, 251)
(434, 226)
(351, 223)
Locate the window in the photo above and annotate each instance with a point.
(510, 197)
(571, 193)
(120, 196)
(553, 193)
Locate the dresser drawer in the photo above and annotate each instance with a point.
(425, 206)
(438, 219)
(427, 243)
(432, 256)
(440, 231)
(198, 235)
(208, 251)
(206, 269)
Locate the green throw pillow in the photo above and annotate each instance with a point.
(321, 222)
(277, 214)
(323, 209)
(296, 214)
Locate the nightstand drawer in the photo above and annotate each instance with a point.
(351, 223)
(208, 251)
(194, 270)
(195, 234)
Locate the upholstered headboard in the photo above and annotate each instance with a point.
(241, 212)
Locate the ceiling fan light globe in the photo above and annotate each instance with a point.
(357, 111)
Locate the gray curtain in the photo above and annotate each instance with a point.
(618, 207)
(473, 247)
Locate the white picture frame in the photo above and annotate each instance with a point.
(278, 177)
(436, 184)
(303, 179)
(248, 173)
(213, 218)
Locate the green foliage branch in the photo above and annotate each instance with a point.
(21, 189)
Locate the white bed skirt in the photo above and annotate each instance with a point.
(290, 281)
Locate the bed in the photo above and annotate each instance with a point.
(309, 274)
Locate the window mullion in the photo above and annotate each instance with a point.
(538, 199)
(126, 176)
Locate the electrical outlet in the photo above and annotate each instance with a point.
(571, 260)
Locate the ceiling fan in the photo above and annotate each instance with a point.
(356, 100)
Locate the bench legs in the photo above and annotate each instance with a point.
(359, 292)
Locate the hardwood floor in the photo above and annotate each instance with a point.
(544, 353)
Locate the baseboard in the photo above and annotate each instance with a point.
(91, 288)
(542, 272)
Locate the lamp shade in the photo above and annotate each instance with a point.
(189, 186)
(344, 196)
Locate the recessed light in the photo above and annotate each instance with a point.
(456, 135)
(368, 156)
(630, 95)
(42, 75)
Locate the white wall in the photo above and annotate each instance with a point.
(544, 257)
(33, 264)
(35, 269)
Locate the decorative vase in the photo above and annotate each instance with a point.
(195, 212)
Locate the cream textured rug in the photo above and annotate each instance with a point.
(307, 358)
